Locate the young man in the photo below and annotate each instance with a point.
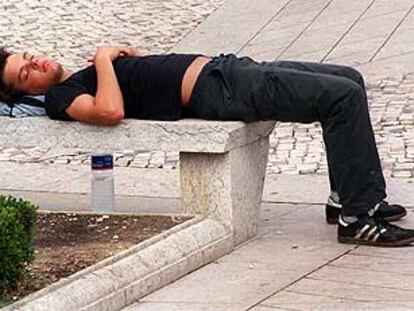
(126, 83)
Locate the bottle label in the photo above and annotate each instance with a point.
(102, 161)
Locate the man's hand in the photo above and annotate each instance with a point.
(113, 52)
(132, 51)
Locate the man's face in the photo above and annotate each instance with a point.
(31, 74)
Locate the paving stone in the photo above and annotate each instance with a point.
(402, 174)
(123, 161)
(289, 300)
(307, 168)
(372, 294)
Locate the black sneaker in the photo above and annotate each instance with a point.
(373, 231)
(389, 212)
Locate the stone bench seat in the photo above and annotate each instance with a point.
(222, 164)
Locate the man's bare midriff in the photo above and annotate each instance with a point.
(190, 78)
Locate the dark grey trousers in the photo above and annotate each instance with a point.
(231, 88)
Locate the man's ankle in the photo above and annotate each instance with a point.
(353, 218)
(335, 196)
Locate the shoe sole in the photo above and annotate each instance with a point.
(396, 217)
(332, 218)
(406, 242)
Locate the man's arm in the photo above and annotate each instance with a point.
(107, 106)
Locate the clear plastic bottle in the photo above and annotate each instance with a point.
(102, 185)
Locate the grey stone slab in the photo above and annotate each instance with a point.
(353, 291)
(294, 188)
(389, 66)
(319, 40)
(230, 27)
(297, 234)
(300, 11)
(376, 25)
(298, 301)
(266, 308)
(52, 201)
(224, 283)
(356, 53)
(370, 262)
(325, 30)
(401, 280)
(272, 211)
(340, 12)
(400, 43)
(367, 35)
(278, 254)
(315, 189)
(147, 182)
(168, 306)
(312, 56)
(383, 8)
(189, 135)
(404, 253)
(283, 29)
(77, 179)
(35, 176)
(269, 214)
(271, 41)
(360, 51)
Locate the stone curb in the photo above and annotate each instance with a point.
(124, 278)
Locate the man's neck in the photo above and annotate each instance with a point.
(65, 75)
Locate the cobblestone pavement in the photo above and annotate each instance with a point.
(70, 30)
(155, 25)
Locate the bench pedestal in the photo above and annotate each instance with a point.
(226, 187)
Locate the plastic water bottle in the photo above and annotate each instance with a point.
(103, 185)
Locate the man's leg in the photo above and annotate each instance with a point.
(330, 69)
(390, 212)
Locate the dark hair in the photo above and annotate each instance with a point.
(7, 93)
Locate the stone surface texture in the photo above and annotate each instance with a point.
(226, 187)
(188, 135)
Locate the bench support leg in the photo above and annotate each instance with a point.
(227, 187)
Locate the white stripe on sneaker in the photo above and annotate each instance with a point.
(375, 238)
(334, 203)
(362, 231)
(342, 222)
(370, 233)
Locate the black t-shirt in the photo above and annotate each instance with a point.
(150, 86)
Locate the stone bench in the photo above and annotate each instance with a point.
(222, 164)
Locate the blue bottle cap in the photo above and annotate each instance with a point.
(102, 161)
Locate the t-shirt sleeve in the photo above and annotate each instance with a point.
(59, 97)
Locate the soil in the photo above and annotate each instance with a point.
(66, 243)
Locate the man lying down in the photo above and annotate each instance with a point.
(124, 82)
